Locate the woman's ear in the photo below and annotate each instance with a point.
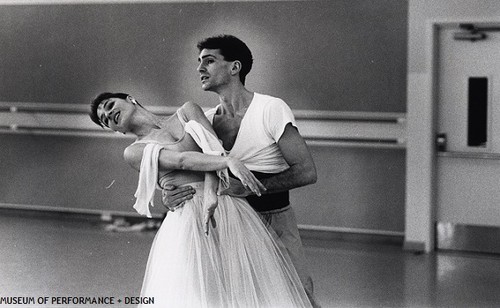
(132, 100)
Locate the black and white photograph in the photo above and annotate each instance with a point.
(250, 153)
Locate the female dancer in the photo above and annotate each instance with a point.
(234, 261)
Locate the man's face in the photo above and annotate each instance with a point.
(215, 72)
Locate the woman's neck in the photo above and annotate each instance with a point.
(147, 124)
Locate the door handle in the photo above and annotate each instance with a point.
(441, 142)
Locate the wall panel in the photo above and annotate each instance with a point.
(347, 56)
(322, 55)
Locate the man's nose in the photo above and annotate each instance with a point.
(200, 68)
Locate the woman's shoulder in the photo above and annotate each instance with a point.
(134, 150)
(191, 111)
(191, 108)
(133, 154)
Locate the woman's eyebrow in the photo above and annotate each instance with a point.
(103, 104)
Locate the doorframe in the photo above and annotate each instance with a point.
(421, 166)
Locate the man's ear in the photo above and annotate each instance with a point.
(235, 67)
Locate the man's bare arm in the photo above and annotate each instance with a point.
(302, 170)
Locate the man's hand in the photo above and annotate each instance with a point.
(236, 189)
(174, 197)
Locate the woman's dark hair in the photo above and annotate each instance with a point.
(232, 49)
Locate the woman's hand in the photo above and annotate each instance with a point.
(210, 203)
(235, 189)
(248, 180)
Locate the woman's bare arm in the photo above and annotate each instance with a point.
(210, 200)
(169, 160)
(195, 161)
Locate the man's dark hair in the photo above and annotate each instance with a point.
(232, 49)
(98, 100)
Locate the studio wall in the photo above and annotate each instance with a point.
(320, 55)
(316, 55)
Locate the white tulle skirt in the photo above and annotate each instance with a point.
(239, 264)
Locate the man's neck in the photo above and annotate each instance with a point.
(235, 100)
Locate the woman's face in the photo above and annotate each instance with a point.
(115, 113)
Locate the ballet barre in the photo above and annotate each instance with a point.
(319, 128)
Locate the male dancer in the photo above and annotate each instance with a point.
(259, 130)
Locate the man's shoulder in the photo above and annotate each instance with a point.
(269, 100)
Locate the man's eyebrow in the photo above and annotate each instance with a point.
(205, 56)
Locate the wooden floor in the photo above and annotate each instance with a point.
(47, 256)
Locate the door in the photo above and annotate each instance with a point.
(468, 127)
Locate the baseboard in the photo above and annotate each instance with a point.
(467, 238)
(414, 246)
(88, 214)
(324, 233)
